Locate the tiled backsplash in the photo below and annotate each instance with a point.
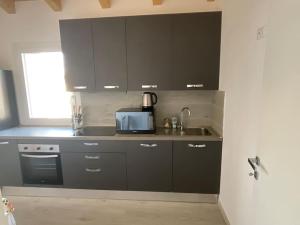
(206, 107)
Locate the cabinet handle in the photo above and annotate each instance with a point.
(80, 87)
(196, 146)
(112, 87)
(91, 157)
(93, 170)
(91, 144)
(147, 86)
(39, 156)
(149, 145)
(4, 143)
(195, 85)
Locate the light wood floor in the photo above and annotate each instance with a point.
(59, 211)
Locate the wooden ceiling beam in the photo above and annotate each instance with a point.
(105, 4)
(54, 4)
(157, 2)
(8, 6)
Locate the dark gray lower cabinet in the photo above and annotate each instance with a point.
(149, 165)
(177, 166)
(197, 167)
(95, 170)
(10, 172)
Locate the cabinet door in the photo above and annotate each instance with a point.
(197, 167)
(110, 54)
(94, 170)
(196, 51)
(77, 47)
(10, 171)
(149, 52)
(149, 166)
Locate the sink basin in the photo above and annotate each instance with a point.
(196, 131)
(188, 131)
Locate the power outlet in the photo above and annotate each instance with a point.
(260, 33)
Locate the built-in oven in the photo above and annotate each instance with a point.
(41, 164)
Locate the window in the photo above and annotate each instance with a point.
(45, 86)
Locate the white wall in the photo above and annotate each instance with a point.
(242, 62)
(36, 22)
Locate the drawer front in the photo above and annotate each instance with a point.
(197, 167)
(149, 165)
(92, 146)
(95, 171)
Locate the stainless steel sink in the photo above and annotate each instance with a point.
(188, 131)
(196, 131)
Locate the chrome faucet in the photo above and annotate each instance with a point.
(182, 114)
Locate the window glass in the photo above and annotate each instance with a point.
(45, 85)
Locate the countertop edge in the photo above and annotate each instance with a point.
(65, 133)
(115, 138)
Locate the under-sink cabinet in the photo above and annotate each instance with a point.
(197, 166)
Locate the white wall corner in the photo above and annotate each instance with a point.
(223, 213)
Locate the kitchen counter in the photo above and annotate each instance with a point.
(104, 133)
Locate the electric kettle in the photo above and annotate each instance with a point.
(149, 100)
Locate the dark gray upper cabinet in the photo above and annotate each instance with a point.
(110, 54)
(10, 171)
(149, 52)
(160, 52)
(77, 47)
(149, 165)
(197, 167)
(196, 42)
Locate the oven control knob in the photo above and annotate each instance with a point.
(38, 148)
(25, 148)
(51, 149)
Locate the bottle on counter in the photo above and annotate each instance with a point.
(167, 123)
(174, 122)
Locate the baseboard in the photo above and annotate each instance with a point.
(223, 212)
(113, 195)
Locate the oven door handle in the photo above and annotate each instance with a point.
(39, 156)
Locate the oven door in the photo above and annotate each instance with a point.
(41, 168)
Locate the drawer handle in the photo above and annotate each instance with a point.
(91, 157)
(196, 146)
(147, 86)
(4, 143)
(149, 145)
(91, 144)
(195, 85)
(111, 87)
(80, 87)
(93, 170)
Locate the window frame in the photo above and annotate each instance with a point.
(20, 83)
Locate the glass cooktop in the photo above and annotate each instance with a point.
(96, 131)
